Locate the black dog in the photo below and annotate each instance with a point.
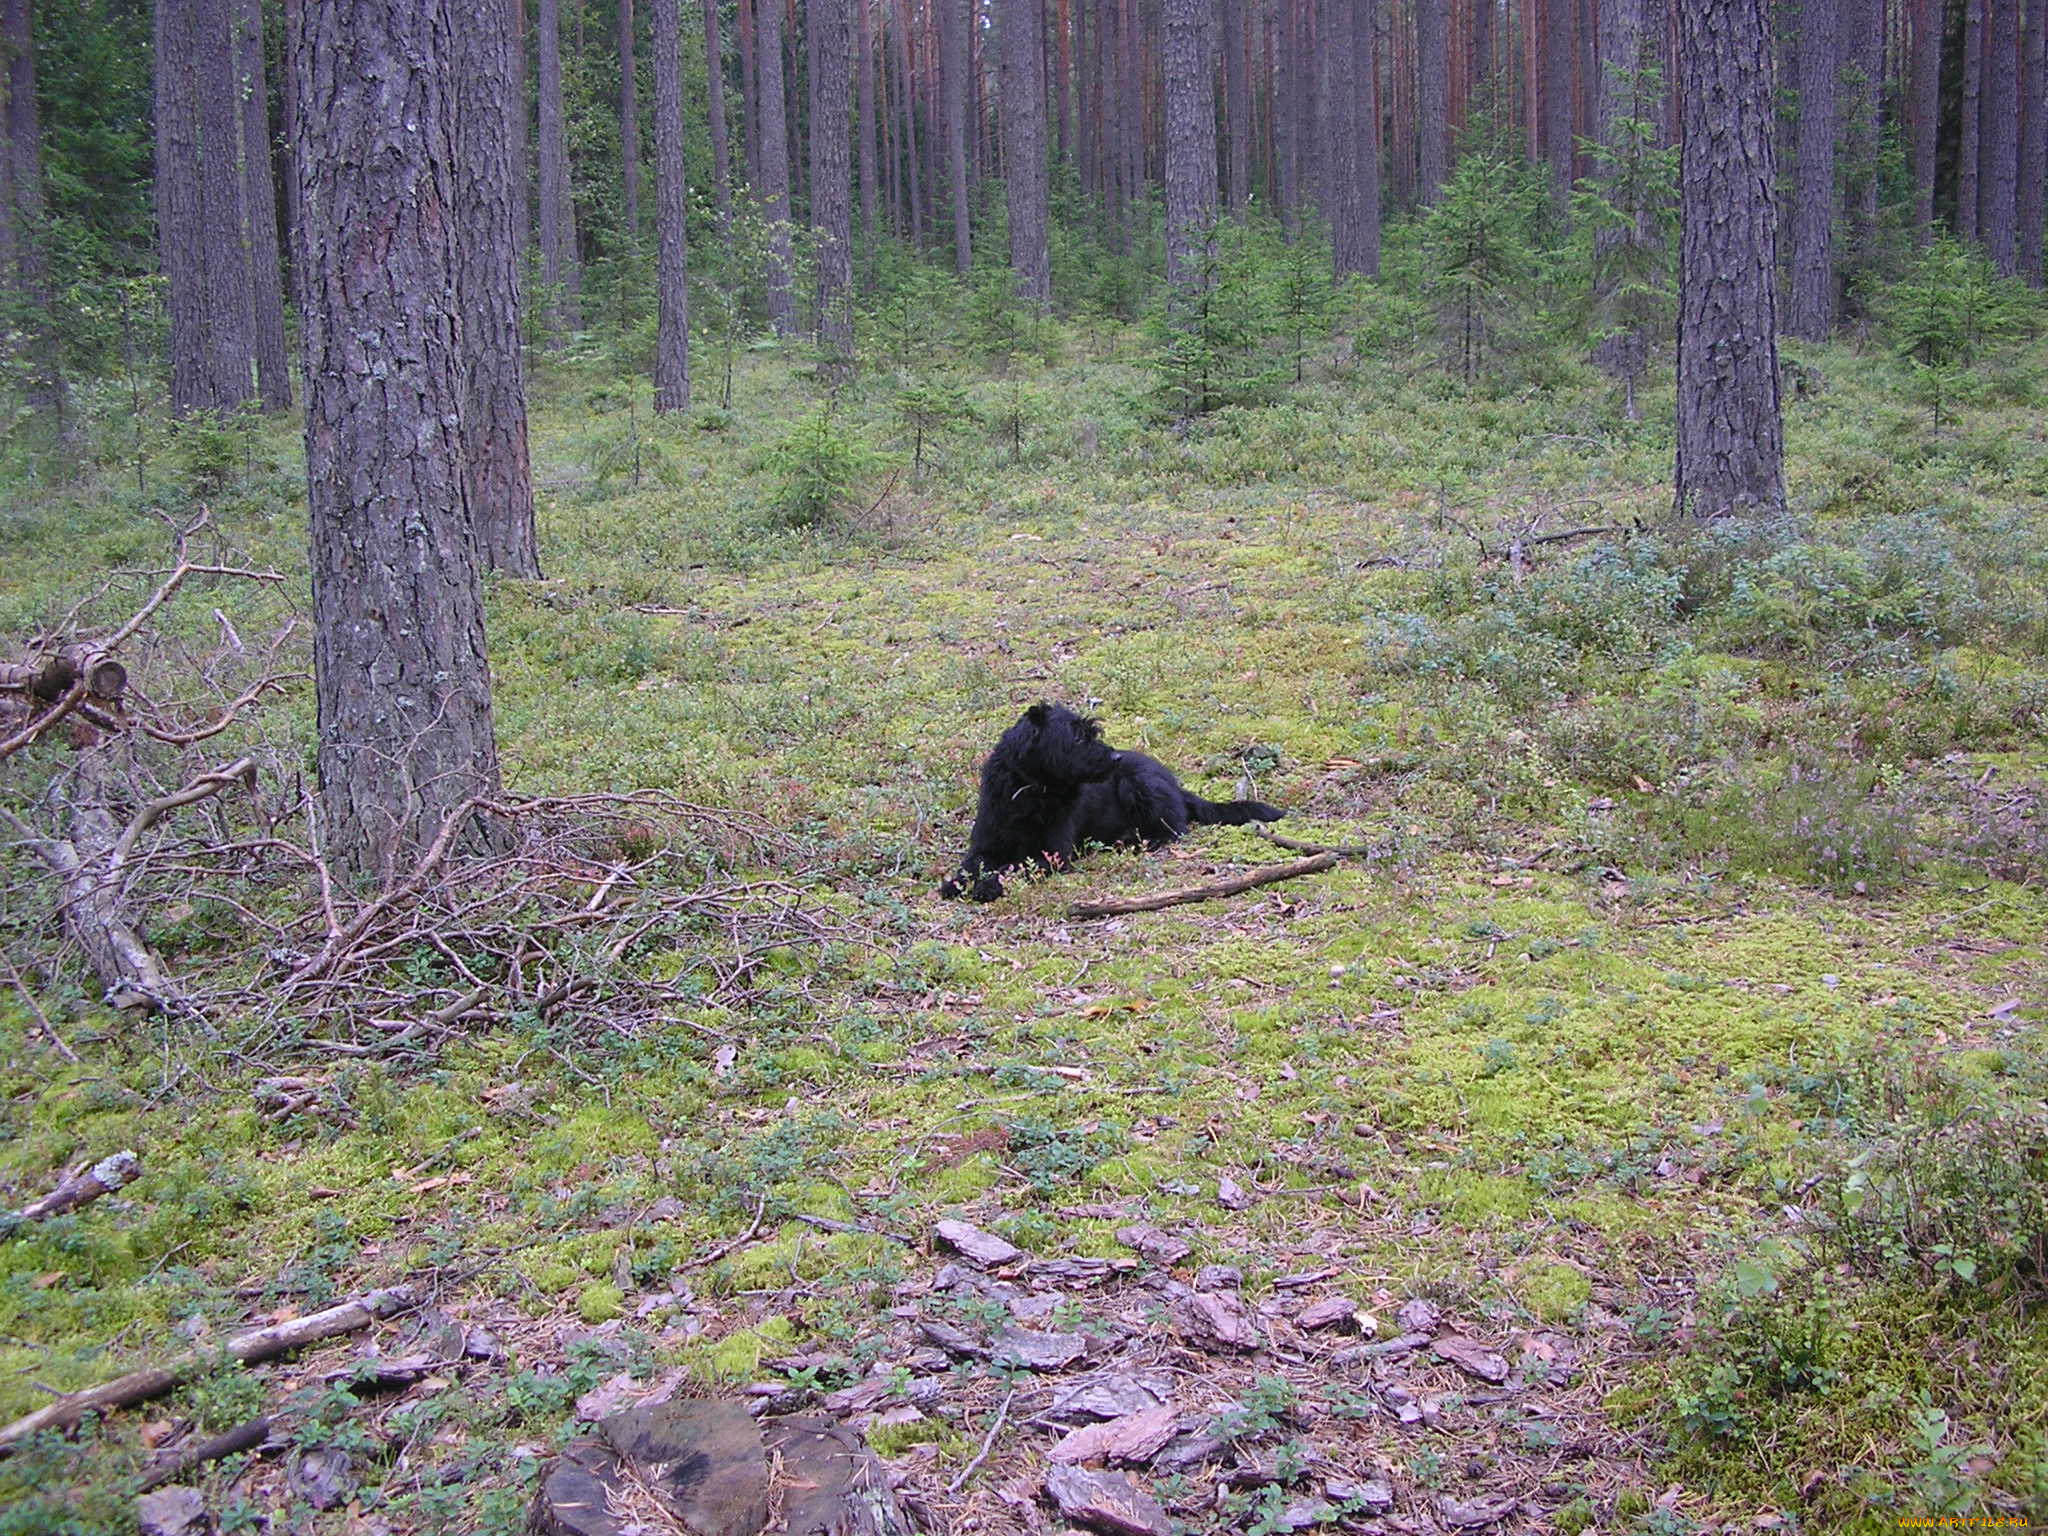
(1053, 783)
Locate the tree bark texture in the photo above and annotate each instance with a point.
(1968, 140)
(1237, 103)
(955, 17)
(1287, 87)
(1730, 432)
(629, 120)
(1024, 173)
(26, 262)
(864, 53)
(1923, 106)
(230, 302)
(750, 92)
(1998, 185)
(1556, 25)
(671, 210)
(406, 744)
(2033, 170)
(181, 210)
(774, 186)
(496, 467)
(1190, 145)
(561, 268)
(1810, 310)
(714, 101)
(832, 179)
(1432, 96)
(1353, 165)
(266, 275)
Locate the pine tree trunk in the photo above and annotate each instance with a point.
(629, 120)
(2033, 167)
(497, 474)
(273, 366)
(1998, 191)
(561, 269)
(1059, 58)
(832, 181)
(518, 134)
(1237, 103)
(954, 20)
(1484, 62)
(1557, 93)
(714, 76)
(179, 204)
(1622, 52)
(671, 210)
(26, 272)
(230, 297)
(750, 93)
(1024, 136)
(1354, 162)
(864, 44)
(1810, 310)
(774, 187)
(1287, 89)
(914, 179)
(1967, 149)
(1731, 450)
(1432, 96)
(1190, 146)
(1924, 108)
(400, 675)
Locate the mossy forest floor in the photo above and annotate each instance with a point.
(1678, 1040)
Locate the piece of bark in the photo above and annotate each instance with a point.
(1219, 1277)
(1162, 1248)
(85, 1184)
(171, 1512)
(1231, 1195)
(324, 1477)
(247, 1348)
(1419, 1316)
(1113, 1395)
(1110, 1502)
(1475, 1514)
(1129, 1441)
(243, 1437)
(1472, 1357)
(953, 1340)
(830, 1481)
(1037, 1351)
(1264, 875)
(984, 1248)
(1215, 1321)
(1334, 1312)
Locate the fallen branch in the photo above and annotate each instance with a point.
(1264, 875)
(243, 1437)
(246, 1348)
(987, 1442)
(83, 1185)
(1342, 850)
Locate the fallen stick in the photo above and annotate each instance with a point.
(246, 1348)
(243, 1437)
(1344, 850)
(1264, 875)
(84, 1185)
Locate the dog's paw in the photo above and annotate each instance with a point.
(987, 888)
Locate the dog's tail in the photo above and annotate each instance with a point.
(1230, 813)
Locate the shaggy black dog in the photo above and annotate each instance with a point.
(1053, 783)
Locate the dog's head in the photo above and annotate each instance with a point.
(1052, 745)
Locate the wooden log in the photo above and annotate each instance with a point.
(1264, 875)
(83, 1185)
(247, 1348)
(243, 1437)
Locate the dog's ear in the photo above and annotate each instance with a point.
(1038, 713)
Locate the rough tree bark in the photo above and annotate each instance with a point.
(1967, 148)
(1998, 184)
(1731, 449)
(1353, 165)
(864, 52)
(1923, 105)
(1287, 88)
(266, 278)
(497, 470)
(831, 181)
(561, 269)
(955, 16)
(1557, 44)
(1190, 145)
(2033, 168)
(1237, 104)
(230, 301)
(1432, 96)
(406, 746)
(714, 100)
(180, 245)
(1023, 90)
(672, 275)
(750, 93)
(774, 184)
(21, 191)
(629, 120)
(1810, 308)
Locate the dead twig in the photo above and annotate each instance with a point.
(987, 1442)
(243, 1437)
(1342, 850)
(83, 1185)
(1265, 875)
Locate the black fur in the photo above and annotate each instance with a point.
(1053, 783)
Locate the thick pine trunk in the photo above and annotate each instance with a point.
(1024, 149)
(1731, 451)
(266, 277)
(774, 137)
(26, 273)
(1810, 310)
(2033, 168)
(1190, 146)
(1432, 96)
(954, 20)
(714, 100)
(180, 207)
(864, 45)
(671, 208)
(497, 473)
(1353, 166)
(1287, 88)
(832, 180)
(561, 269)
(750, 93)
(1558, 148)
(406, 746)
(1237, 103)
(230, 298)
(913, 170)
(1923, 107)
(1998, 189)
(629, 120)
(1968, 146)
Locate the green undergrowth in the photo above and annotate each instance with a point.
(1704, 883)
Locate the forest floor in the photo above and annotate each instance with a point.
(1661, 1093)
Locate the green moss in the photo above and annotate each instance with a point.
(738, 1356)
(600, 1302)
(1553, 1292)
(1489, 1200)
